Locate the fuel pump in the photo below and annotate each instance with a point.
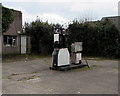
(61, 58)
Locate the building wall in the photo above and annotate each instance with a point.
(14, 28)
(12, 49)
(115, 20)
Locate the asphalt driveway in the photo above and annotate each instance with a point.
(34, 77)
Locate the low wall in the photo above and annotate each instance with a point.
(10, 50)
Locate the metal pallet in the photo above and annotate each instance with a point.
(71, 66)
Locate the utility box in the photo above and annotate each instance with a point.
(76, 58)
(76, 47)
(76, 54)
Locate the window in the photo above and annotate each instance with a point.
(10, 40)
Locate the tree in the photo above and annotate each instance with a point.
(109, 37)
(100, 38)
(41, 36)
(7, 18)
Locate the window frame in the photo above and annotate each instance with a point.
(8, 37)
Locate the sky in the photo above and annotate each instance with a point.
(61, 11)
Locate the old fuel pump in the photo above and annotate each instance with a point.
(62, 59)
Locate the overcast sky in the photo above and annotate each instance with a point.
(63, 11)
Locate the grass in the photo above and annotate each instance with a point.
(101, 58)
(96, 66)
(86, 68)
(81, 69)
(23, 79)
(26, 57)
(28, 78)
(33, 72)
(14, 74)
(20, 57)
